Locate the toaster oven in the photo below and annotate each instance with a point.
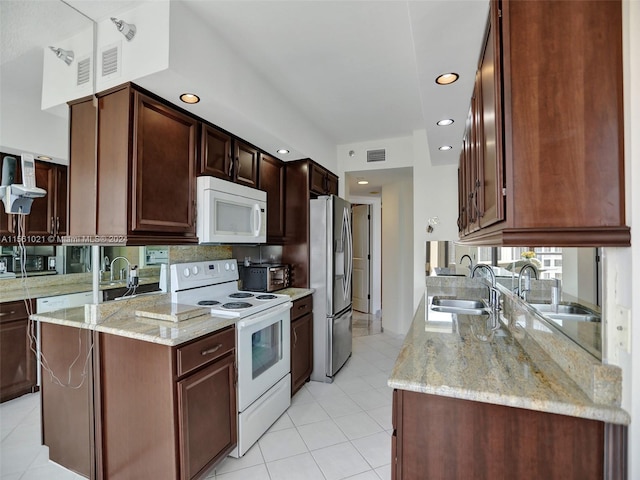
(265, 277)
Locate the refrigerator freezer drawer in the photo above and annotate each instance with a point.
(340, 335)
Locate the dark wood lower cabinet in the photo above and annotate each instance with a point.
(301, 342)
(446, 438)
(145, 411)
(18, 372)
(67, 398)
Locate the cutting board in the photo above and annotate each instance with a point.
(173, 312)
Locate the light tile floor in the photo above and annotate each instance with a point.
(330, 432)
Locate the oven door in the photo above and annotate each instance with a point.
(264, 355)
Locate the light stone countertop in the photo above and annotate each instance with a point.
(54, 285)
(296, 293)
(443, 356)
(125, 323)
(118, 318)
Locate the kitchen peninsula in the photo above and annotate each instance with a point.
(504, 406)
(143, 392)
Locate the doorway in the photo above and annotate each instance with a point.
(362, 258)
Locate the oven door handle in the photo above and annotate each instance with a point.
(259, 317)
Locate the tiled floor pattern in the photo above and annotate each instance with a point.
(331, 431)
(366, 324)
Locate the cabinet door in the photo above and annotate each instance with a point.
(246, 164)
(8, 227)
(61, 200)
(272, 181)
(41, 220)
(317, 179)
(82, 168)
(163, 185)
(332, 184)
(17, 360)
(215, 153)
(491, 199)
(301, 351)
(207, 416)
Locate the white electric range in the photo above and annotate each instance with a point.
(263, 359)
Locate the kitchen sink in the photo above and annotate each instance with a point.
(459, 305)
(567, 311)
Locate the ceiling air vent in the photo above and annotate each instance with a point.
(84, 71)
(376, 155)
(110, 61)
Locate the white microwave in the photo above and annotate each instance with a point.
(230, 213)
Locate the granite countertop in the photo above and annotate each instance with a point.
(296, 293)
(54, 285)
(119, 318)
(123, 321)
(445, 355)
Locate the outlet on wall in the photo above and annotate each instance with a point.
(622, 328)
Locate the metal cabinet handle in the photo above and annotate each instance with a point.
(57, 225)
(295, 337)
(53, 226)
(4, 314)
(211, 350)
(230, 166)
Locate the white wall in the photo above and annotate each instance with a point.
(24, 127)
(435, 196)
(579, 273)
(397, 267)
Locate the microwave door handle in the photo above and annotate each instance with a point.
(257, 220)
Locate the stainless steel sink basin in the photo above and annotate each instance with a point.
(562, 308)
(567, 311)
(459, 305)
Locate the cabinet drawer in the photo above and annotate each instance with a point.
(10, 311)
(205, 350)
(302, 307)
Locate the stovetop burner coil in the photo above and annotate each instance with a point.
(241, 295)
(236, 305)
(208, 302)
(266, 297)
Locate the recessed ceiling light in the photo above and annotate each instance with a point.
(363, 182)
(283, 151)
(189, 98)
(43, 157)
(445, 122)
(445, 147)
(447, 78)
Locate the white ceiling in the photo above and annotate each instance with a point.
(359, 70)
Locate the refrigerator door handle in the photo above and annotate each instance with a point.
(348, 254)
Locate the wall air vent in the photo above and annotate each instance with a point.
(111, 61)
(84, 71)
(376, 155)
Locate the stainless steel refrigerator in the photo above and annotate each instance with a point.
(331, 249)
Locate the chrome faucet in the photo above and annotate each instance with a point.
(494, 293)
(123, 272)
(470, 260)
(523, 290)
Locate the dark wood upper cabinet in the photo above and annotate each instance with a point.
(215, 153)
(225, 156)
(551, 102)
(163, 190)
(246, 164)
(304, 180)
(144, 172)
(47, 221)
(322, 181)
(82, 167)
(272, 181)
